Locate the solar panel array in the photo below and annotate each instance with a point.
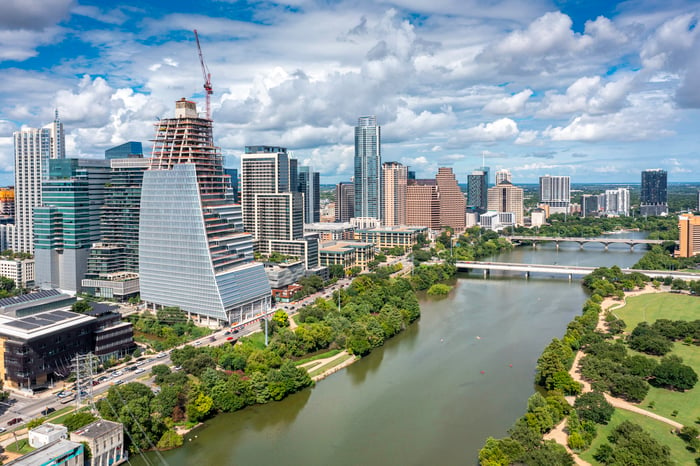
(41, 320)
(26, 298)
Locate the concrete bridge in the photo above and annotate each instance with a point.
(605, 241)
(566, 270)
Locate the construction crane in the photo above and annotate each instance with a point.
(208, 89)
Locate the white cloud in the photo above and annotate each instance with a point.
(501, 129)
(527, 137)
(589, 95)
(509, 105)
(32, 14)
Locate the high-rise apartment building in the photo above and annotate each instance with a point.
(368, 165)
(344, 201)
(505, 197)
(193, 252)
(394, 178)
(423, 204)
(654, 197)
(310, 185)
(264, 170)
(131, 149)
(555, 192)
(113, 263)
(68, 222)
(453, 206)
(7, 202)
(477, 190)
(273, 213)
(503, 175)
(617, 201)
(590, 205)
(33, 149)
(689, 235)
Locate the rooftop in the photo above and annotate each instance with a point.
(47, 454)
(40, 324)
(97, 429)
(47, 429)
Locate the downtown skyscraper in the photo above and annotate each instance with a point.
(654, 197)
(555, 192)
(368, 168)
(394, 178)
(34, 147)
(193, 252)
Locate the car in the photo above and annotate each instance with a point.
(139, 371)
(177, 368)
(47, 411)
(140, 363)
(212, 338)
(161, 355)
(104, 378)
(197, 343)
(229, 339)
(118, 382)
(14, 421)
(235, 331)
(117, 373)
(227, 332)
(64, 394)
(95, 382)
(2, 429)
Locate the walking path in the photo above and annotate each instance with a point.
(559, 433)
(311, 365)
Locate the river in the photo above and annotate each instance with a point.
(422, 398)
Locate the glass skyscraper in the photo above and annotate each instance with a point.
(193, 252)
(477, 190)
(654, 197)
(368, 168)
(309, 184)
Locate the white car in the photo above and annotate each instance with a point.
(161, 355)
(117, 373)
(139, 371)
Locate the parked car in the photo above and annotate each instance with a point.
(140, 363)
(2, 429)
(139, 371)
(161, 355)
(14, 421)
(117, 373)
(118, 382)
(47, 411)
(229, 339)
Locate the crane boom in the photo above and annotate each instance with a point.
(208, 89)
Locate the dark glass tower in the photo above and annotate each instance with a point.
(654, 198)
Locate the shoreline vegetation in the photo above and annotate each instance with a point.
(353, 321)
(579, 373)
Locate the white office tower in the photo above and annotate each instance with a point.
(503, 175)
(33, 149)
(193, 252)
(556, 193)
(617, 201)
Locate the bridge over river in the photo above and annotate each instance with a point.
(606, 241)
(567, 270)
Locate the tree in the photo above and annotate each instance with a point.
(280, 318)
(336, 271)
(199, 406)
(549, 453)
(7, 284)
(81, 307)
(160, 371)
(673, 374)
(169, 440)
(592, 406)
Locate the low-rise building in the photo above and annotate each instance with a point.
(59, 453)
(340, 231)
(105, 440)
(46, 433)
(390, 237)
(349, 254)
(33, 303)
(114, 338)
(21, 271)
(284, 274)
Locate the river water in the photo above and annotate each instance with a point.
(422, 398)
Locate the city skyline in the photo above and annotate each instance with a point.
(597, 92)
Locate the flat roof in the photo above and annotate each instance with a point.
(328, 226)
(31, 297)
(341, 246)
(48, 428)
(41, 324)
(46, 454)
(97, 429)
(395, 229)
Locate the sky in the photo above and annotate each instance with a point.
(597, 90)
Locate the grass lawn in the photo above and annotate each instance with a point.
(658, 430)
(674, 307)
(649, 307)
(324, 355)
(330, 365)
(256, 340)
(21, 446)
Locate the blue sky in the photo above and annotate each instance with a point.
(597, 90)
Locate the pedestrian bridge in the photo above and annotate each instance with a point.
(569, 271)
(605, 241)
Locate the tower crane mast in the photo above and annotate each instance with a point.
(208, 89)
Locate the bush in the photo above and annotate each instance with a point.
(439, 289)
